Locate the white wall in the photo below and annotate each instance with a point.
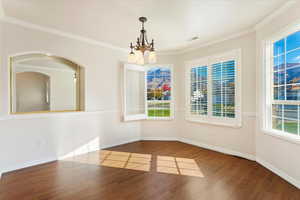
(283, 156)
(31, 139)
(239, 141)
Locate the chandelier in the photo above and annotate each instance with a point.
(142, 48)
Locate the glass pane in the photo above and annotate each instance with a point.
(291, 126)
(199, 91)
(279, 78)
(193, 75)
(279, 47)
(277, 110)
(217, 96)
(229, 98)
(279, 93)
(228, 70)
(202, 73)
(293, 41)
(158, 109)
(277, 123)
(194, 109)
(293, 58)
(293, 75)
(279, 63)
(216, 71)
(159, 84)
(293, 92)
(291, 112)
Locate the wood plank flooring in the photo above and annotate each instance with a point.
(223, 177)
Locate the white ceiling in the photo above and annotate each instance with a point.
(170, 22)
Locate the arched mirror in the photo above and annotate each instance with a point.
(45, 83)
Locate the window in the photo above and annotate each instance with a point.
(148, 92)
(283, 84)
(213, 85)
(159, 88)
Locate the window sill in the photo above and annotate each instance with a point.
(289, 138)
(232, 125)
(160, 118)
(46, 115)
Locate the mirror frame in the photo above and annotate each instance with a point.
(29, 56)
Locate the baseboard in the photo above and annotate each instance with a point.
(119, 143)
(218, 149)
(279, 172)
(28, 164)
(159, 138)
(78, 153)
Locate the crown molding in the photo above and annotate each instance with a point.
(274, 14)
(53, 31)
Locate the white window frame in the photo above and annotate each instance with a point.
(209, 61)
(145, 69)
(267, 92)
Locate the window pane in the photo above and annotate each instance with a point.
(158, 109)
(193, 75)
(291, 126)
(279, 78)
(159, 91)
(291, 112)
(199, 91)
(293, 75)
(277, 110)
(223, 89)
(293, 41)
(293, 58)
(229, 98)
(293, 92)
(277, 123)
(217, 98)
(279, 63)
(228, 71)
(202, 73)
(279, 47)
(279, 93)
(159, 84)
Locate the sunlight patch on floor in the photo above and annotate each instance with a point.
(141, 162)
(181, 166)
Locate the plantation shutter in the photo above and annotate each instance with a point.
(134, 92)
(223, 89)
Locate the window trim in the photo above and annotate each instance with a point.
(267, 83)
(208, 61)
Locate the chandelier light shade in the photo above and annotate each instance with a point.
(138, 52)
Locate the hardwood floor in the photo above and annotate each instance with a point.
(223, 177)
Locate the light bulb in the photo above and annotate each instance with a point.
(140, 58)
(152, 57)
(132, 58)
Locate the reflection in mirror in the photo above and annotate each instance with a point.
(43, 83)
